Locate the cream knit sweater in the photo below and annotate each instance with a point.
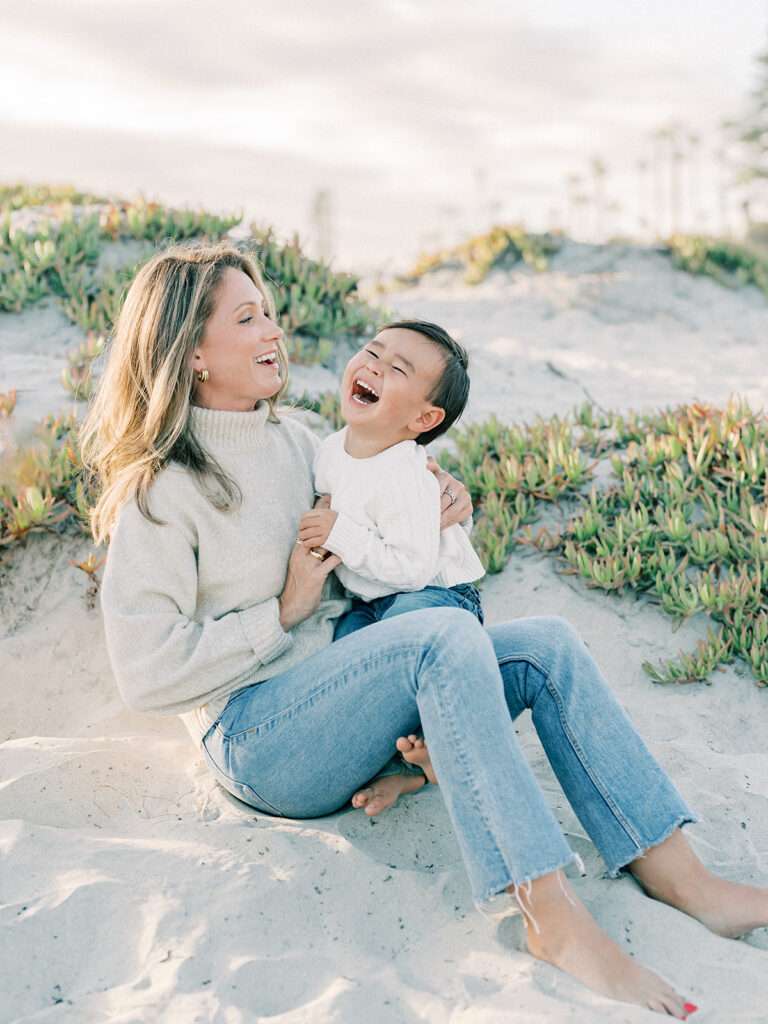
(190, 607)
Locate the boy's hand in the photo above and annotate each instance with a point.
(315, 526)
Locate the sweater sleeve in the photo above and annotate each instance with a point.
(402, 548)
(165, 661)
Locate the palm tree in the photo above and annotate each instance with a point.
(573, 181)
(722, 191)
(659, 139)
(697, 214)
(676, 158)
(643, 220)
(598, 170)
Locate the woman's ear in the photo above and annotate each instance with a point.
(428, 419)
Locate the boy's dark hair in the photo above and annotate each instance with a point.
(451, 389)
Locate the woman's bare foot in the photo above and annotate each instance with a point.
(569, 938)
(672, 873)
(414, 750)
(383, 792)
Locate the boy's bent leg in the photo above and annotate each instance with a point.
(622, 796)
(360, 615)
(412, 751)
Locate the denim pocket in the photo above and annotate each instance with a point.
(241, 790)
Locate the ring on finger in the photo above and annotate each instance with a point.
(316, 554)
(451, 495)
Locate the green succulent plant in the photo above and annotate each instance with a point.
(729, 263)
(315, 304)
(480, 254)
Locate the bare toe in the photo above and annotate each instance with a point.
(362, 797)
(377, 804)
(405, 744)
(414, 751)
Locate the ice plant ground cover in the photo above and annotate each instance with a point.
(59, 250)
(684, 516)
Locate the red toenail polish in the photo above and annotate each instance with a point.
(689, 1008)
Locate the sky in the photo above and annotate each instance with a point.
(377, 128)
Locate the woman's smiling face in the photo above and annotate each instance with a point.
(238, 348)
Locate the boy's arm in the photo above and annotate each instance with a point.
(402, 549)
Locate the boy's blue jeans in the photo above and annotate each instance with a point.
(300, 744)
(364, 613)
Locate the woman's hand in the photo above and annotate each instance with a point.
(303, 588)
(451, 511)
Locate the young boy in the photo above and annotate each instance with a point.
(403, 389)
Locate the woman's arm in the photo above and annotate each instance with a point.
(166, 661)
(455, 501)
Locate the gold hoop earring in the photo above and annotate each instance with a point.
(202, 376)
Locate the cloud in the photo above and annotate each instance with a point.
(364, 83)
(413, 97)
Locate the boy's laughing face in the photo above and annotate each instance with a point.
(385, 387)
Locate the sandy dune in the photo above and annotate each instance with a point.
(134, 889)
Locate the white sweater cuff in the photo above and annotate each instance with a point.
(261, 625)
(346, 536)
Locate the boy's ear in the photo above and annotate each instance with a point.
(427, 419)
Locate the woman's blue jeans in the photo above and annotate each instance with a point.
(300, 744)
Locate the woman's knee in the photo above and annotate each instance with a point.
(454, 633)
(456, 625)
(561, 632)
(547, 643)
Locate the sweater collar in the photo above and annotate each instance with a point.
(229, 431)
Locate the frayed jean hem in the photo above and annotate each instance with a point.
(683, 819)
(496, 901)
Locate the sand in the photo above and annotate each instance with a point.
(133, 888)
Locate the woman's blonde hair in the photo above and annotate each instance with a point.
(139, 419)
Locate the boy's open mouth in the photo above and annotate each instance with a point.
(363, 393)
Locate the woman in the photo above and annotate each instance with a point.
(203, 488)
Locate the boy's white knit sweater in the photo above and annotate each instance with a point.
(190, 607)
(387, 532)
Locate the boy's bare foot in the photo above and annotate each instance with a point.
(383, 792)
(414, 750)
(569, 938)
(671, 872)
